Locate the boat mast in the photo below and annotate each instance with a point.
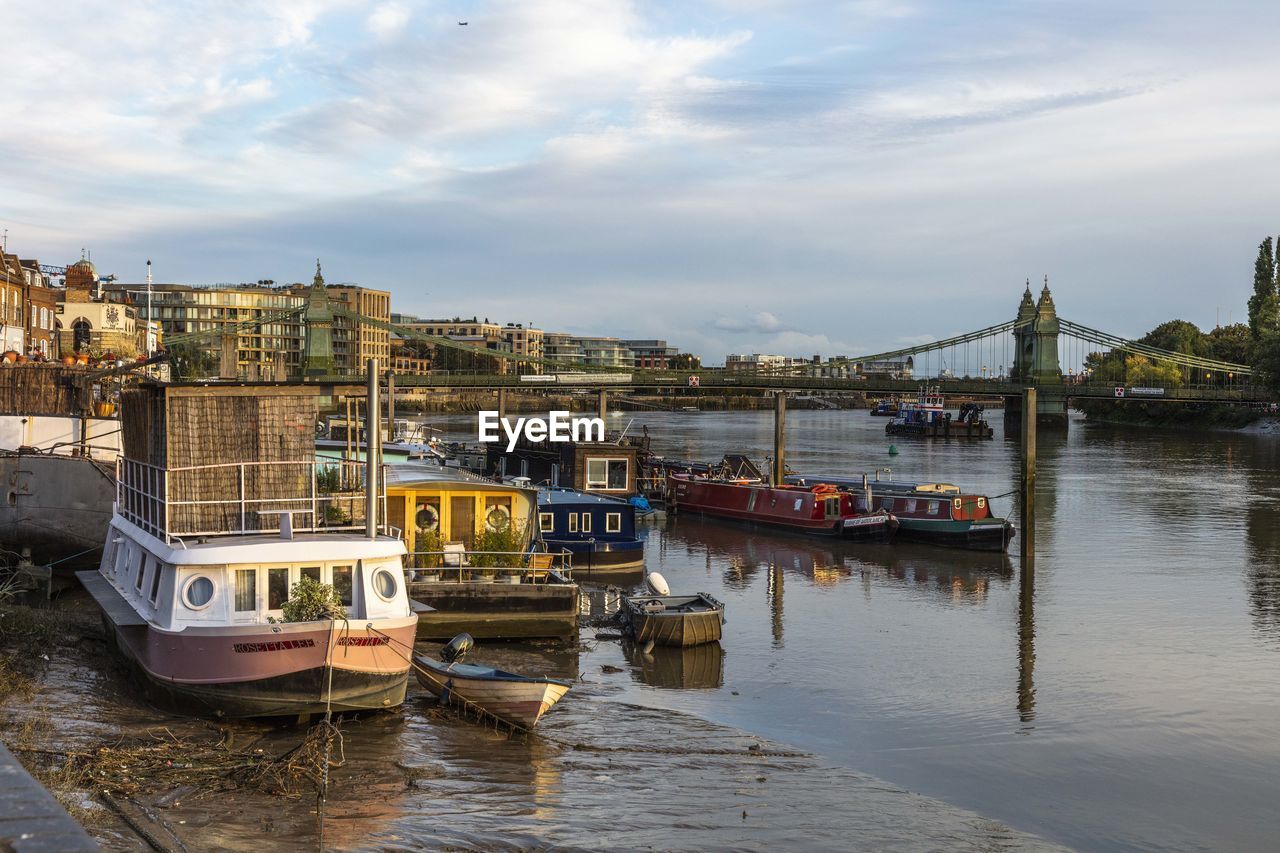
(373, 439)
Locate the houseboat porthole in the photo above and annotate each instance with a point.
(428, 517)
(197, 592)
(384, 584)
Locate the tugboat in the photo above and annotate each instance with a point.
(928, 418)
(821, 510)
(938, 513)
(884, 409)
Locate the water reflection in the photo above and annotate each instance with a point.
(1027, 642)
(695, 667)
(1262, 526)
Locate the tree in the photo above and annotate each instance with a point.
(1140, 370)
(1231, 343)
(1177, 336)
(1264, 305)
(1267, 360)
(191, 361)
(684, 361)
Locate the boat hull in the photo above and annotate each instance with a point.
(601, 556)
(973, 536)
(943, 429)
(782, 509)
(522, 702)
(259, 673)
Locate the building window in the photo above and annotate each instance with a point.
(573, 522)
(613, 522)
(585, 526)
(547, 522)
(312, 572)
(608, 474)
(82, 333)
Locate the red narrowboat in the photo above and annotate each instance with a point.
(822, 509)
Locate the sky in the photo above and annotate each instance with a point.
(784, 177)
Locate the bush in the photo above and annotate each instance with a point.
(310, 601)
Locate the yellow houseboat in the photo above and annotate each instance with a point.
(477, 557)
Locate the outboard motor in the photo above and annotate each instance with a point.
(657, 584)
(457, 649)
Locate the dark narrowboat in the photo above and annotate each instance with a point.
(822, 510)
(599, 531)
(939, 513)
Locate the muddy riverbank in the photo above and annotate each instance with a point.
(600, 773)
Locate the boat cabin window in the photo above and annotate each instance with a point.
(155, 581)
(585, 524)
(142, 567)
(886, 504)
(608, 475)
(246, 590)
(573, 522)
(831, 507)
(613, 522)
(312, 572)
(911, 505)
(197, 592)
(342, 584)
(547, 522)
(277, 588)
(934, 506)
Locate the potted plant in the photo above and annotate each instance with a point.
(505, 549)
(310, 601)
(427, 558)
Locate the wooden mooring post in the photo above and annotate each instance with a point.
(604, 406)
(779, 438)
(1028, 531)
(502, 403)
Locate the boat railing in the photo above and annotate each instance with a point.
(467, 566)
(240, 498)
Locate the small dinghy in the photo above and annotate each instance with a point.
(671, 620)
(518, 700)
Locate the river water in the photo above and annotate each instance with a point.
(1125, 699)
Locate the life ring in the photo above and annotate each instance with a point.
(427, 518)
(498, 518)
(824, 488)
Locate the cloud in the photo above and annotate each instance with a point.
(387, 20)
(788, 177)
(761, 323)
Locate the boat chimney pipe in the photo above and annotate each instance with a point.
(373, 438)
(555, 475)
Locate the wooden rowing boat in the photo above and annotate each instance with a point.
(673, 620)
(514, 699)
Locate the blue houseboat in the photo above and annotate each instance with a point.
(599, 531)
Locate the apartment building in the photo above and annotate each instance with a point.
(652, 354)
(253, 314)
(590, 351)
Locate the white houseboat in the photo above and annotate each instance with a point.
(197, 566)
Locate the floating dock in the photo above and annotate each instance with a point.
(490, 611)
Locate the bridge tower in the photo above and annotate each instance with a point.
(1035, 361)
(317, 350)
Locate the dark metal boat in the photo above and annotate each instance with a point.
(673, 620)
